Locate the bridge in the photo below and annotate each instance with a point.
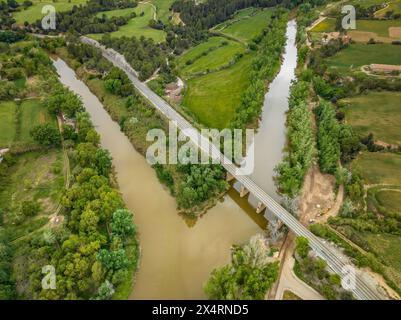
(361, 289)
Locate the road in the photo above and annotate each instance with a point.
(289, 281)
(361, 290)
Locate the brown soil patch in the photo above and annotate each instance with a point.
(318, 197)
(365, 36)
(395, 32)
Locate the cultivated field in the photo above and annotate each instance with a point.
(163, 7)
(358, 55)
(213, 98)
(245, 25)
(387, 247)
(34, 12)
(378, 113)
(138, 26)
(327, 25)
(7, 123)
(394, 6)
(216, 53)
(380, 30)
(33, 113)
(15, 126)
(379, 168)
(390, 199)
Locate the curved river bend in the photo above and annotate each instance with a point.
(177, 259)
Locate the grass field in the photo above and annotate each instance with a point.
(33, 113)
(116, 13)
(7, 123)
(388, 248)
(358, 55)
(138, 26)
(379, 168)
(394, 6)
(245, 25)
(163, 7)
(213, 98)
(380, 27)
(34, 12)
(365, 3)
(378, 113)
(390, 200)
(37, 176)
(327, 25)
(209, 55)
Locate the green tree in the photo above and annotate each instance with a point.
(46, 135)
(122, 223)
(302, 247)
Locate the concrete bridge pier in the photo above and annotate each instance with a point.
(229, 177)
(261, 206)
(243, 191)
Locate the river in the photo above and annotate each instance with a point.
(177, 258)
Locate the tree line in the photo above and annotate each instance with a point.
(269, 47)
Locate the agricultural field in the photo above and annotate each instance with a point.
(327, 25)
(387, 247)
(380, 30)
(17, 120)
(390, 199)
(245, 25)
(358, 55)
(394, 6)
(216, 53)
(32, 114)
(136, 27)
(376, 112)
(34, 12)
(213, 98)
(7, 123)
(215, 75)
(35, 176)
(379, 168)
(163, 6)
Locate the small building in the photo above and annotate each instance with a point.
(384, 68)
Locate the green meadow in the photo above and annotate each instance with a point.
(136, 27)
(34, 12)
(7, 123)
(245, 25)
(327, 25)
(17, 120)
(163, 6)
(358, 55)
(378, 113)
(380, 27)
(212, 99)
(379, 168)
(216, 53)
